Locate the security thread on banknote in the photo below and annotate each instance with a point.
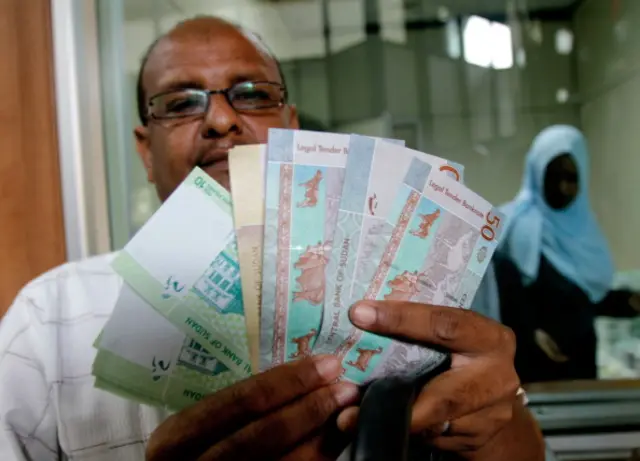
(305, 172)
(184, 262)
(443, 238)
(375, 171)
(247, 169)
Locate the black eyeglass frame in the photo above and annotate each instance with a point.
(225, 92)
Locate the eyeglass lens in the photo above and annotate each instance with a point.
(245, 96)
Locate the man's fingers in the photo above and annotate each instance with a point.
(348, 419)
(485, 421)
(279, 433)
(457, 393)
(226, 411)
(457, 330)
(311, 451)
(267, 391)
(456, 444)
(326, 446)
(474, 431)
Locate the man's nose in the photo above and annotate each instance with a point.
(220, 119)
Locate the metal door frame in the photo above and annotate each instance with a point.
(80, 128)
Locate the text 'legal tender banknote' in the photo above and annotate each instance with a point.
(184, 263)
(305, 171)
(443, 238)
(375, 171)
(142, 356)
(247, 168)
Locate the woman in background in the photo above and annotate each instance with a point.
(554, 269)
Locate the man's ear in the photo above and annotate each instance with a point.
(143, 147)
(294, 123)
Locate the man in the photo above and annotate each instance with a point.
(199, 95)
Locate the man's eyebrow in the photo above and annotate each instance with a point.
(180, 85)
(256, 76)
(183, 84)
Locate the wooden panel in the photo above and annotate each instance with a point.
(31, 220)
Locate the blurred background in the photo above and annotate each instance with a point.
(470, 80)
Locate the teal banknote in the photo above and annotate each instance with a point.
(305, 171)
(142, 356)
(184, 262)
(443, 238)
(375, 171)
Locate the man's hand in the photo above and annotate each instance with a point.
(461, 410)
(279, 414)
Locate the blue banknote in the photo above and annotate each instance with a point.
(376, 170)
(443, 237)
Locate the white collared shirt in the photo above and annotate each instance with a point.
(49, 409)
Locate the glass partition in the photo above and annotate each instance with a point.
(471, 81)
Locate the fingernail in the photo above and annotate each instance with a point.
(328, 367)
(345, 393)
(363, 314)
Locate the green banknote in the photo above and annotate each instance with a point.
(184, 262)
(143, 357)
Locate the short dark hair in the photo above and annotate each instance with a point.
(141, 96)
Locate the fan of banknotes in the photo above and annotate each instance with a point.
(221, 285)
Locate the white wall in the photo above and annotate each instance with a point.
(609, 82)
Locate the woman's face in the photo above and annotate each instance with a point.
(561, 184)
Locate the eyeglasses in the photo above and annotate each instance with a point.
(243, 97)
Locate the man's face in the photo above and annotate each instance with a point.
(209, 57)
